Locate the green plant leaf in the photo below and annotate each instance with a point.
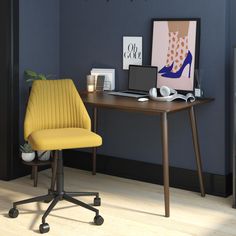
(42, 77)
(30, 73)
(30, 80)
(26, 148)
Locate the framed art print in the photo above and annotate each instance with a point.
(132, 51)
(175, 52)
(109, 77)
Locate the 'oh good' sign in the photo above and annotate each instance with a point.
(132, 51)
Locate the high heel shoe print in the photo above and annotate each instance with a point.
(178, 74)
(166, 69)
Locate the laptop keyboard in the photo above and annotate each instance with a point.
(134, 92)
(128, 94)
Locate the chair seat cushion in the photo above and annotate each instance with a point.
(64, 138)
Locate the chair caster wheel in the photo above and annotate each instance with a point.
(44, 228)
(97, 201)
(98, 220)
(13, 213)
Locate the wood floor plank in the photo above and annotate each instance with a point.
(129, 208)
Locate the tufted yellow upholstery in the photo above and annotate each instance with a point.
(56, 117)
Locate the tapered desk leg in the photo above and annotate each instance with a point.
(197, 149)
(165, 156)
(94, 149)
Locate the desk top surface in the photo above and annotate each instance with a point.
(102, 99)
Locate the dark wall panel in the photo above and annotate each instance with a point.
(9, 90)
(232, 102)
(91, 36)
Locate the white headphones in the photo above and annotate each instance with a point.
(168, 94)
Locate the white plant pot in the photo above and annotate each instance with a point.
(28, 156)
(45, 156)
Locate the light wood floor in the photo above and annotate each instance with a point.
(128, 207)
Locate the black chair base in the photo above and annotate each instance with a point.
(55, 196)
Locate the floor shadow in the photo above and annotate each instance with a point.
(133, 210)
(38, 213)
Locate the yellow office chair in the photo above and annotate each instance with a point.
(56, 119)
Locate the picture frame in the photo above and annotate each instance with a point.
(175, 51)
(109, 77)
(132, 51)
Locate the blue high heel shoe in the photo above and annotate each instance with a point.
(166, 69)
(178, 74)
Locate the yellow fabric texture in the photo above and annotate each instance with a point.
(56, 117)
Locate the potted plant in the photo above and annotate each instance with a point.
(31, 76)
(43, 155)
(27, 153)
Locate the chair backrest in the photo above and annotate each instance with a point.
(55, 104)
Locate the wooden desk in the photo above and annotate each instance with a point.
(103, 100)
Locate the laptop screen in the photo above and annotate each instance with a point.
(142, 78)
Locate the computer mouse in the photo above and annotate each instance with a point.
(143, 99)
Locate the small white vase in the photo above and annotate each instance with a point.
(45, 156)
(28, 156)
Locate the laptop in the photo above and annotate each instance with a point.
(141, 80)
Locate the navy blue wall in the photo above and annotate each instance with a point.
(39, 42)
(232, 88)
(232, 23)
(91, 36)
